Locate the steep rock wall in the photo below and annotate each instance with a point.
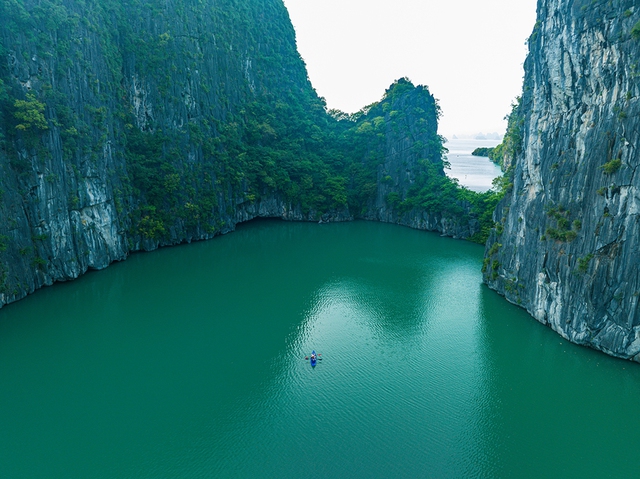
(108, 79)
(567, 243)
(127, 125)
(410, 149)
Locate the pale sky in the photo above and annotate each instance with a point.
(468, 52)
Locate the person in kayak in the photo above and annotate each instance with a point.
(313, 357)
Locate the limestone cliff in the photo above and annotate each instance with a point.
(124, 126)
(128, 125)
(411, 153)
(567, 242)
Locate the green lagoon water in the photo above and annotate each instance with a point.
(188, 362)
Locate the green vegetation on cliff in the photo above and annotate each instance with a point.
(505, 153)
(129, 124)
(635, 31)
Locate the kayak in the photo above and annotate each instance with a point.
(313, 359)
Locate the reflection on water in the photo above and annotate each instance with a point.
(189, 362)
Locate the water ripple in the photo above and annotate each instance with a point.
(424, 371)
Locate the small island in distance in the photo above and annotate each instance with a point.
(483, 151)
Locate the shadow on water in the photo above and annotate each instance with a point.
(552, 408)
(189, 362)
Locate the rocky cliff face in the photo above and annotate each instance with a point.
(410, 149)
(115, 118)
(128, 125)
(567, 242)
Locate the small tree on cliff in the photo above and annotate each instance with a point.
(30, 114)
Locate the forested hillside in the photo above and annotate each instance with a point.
(128, 125)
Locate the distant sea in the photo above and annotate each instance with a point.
(474, 172)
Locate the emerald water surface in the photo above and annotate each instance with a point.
(189, 362)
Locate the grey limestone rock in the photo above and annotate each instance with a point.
(567, 245)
